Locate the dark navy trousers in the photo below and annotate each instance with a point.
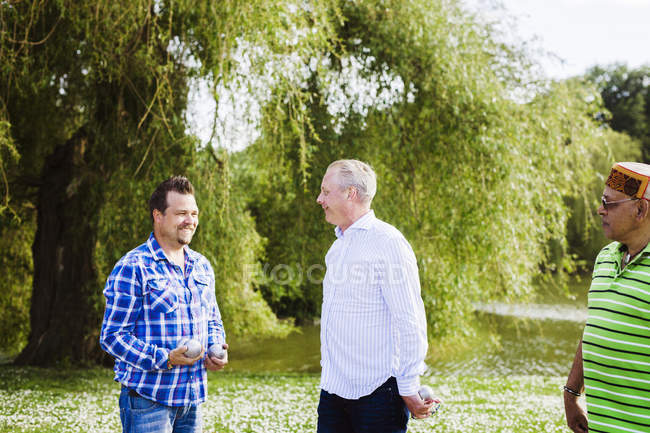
(383, 411)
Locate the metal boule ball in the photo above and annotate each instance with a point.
(193, 347)
(426, 393)
(217, 351)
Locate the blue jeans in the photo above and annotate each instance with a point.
(383, 411)
(140, 415)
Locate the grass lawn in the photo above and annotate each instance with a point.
(85, 400)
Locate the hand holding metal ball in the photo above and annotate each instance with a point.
(193, 347)
(217, 351)
(426, 393)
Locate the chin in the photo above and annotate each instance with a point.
(184, 241)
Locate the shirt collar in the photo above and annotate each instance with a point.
(620, 249)
(159, 254)
(155, 248)
(362, 223)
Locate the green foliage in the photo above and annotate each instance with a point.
(112, 77)
(625, 136)
(16, 238)
(227, 237)
(584, 232)
(477, 178)
(474, 179)
(626, 95)
(7, 151)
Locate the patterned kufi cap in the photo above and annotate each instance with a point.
(630, 178)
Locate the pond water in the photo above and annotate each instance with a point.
(511, 339)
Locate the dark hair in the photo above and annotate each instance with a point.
(158, 199)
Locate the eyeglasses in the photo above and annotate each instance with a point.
(607, 204)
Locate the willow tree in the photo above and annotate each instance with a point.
(473, 160)
(93, 114)
(626, 95)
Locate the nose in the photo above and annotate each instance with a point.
(319, 200)
(601, 210)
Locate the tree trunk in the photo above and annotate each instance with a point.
(64, 316)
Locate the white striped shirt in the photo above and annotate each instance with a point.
(373, 324)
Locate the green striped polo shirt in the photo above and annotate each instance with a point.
(616, 343)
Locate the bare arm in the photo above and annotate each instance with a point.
(576, 417)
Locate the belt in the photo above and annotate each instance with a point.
(132, 392)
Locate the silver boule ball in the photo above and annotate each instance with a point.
(217, 351)
(193, 347)
(426, 393)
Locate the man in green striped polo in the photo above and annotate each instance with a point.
(612, 363)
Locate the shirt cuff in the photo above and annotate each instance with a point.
(408, 385)
(162, 355)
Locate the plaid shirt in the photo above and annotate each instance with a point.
(150, 305)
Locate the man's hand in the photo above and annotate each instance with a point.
(216, 364)
(576, 417)
(177, 357)
(418, 407)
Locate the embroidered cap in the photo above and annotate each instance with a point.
(630, 178)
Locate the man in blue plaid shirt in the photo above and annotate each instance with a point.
(156, 295)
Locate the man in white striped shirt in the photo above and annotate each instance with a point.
(373, 325)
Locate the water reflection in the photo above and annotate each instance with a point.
(535, 311)
(512, 339)
(514, 345)
(506, 345)
(298, 353)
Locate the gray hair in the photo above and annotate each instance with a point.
(357, 174)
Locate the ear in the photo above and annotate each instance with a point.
(352, 193)
(156, 215)
(643, 209)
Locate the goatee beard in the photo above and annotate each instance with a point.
(185, 240)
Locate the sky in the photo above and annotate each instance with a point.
(582, 33)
